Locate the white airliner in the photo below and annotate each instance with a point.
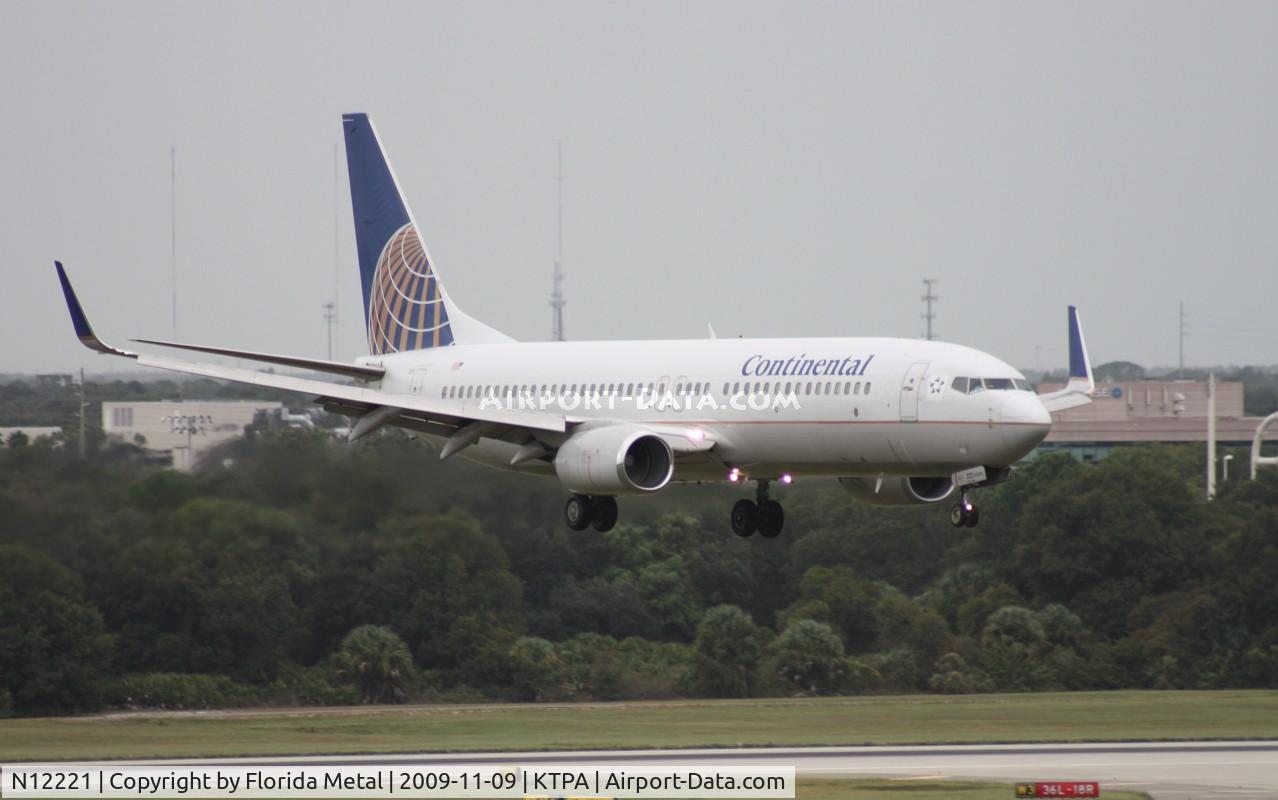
(896, 421)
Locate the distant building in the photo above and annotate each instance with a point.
(185, 429)
(1141, 412)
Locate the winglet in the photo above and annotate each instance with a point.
(83, 330)
(1080, 366)
(1078, 391)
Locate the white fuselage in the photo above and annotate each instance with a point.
(812, 406)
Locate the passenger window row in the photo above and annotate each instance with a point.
(799, 388)
(628, 390)
(562, 390)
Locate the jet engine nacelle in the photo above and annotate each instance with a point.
(898, 491)
(615, 459)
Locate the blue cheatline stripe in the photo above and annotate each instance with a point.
(1077, 359)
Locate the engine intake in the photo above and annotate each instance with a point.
(616, 459)
(898, 491)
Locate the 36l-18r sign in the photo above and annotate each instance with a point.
(1058, 789)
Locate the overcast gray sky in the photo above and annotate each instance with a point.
(778, 169)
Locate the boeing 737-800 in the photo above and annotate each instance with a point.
(895, 421)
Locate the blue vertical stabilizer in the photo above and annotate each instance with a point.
(404, 306)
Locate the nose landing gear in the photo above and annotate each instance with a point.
(761, 514)
(583, 511)
(964, 514)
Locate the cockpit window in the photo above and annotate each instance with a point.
(974, 385)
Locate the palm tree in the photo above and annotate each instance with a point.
(375, 661)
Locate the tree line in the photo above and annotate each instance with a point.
(293, 569)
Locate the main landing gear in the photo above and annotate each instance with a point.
(583, 511)
(964, 514)
(761, 514)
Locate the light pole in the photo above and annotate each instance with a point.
(83, 405)
(1211, 436)
(330, 322)
(190, 424)
(1228, 457)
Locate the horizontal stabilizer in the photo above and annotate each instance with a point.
(1063, 400)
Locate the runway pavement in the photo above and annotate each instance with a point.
(1168, 771)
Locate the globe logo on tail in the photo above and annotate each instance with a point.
(405, 308)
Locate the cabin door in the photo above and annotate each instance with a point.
(910, 389)
(418, 378)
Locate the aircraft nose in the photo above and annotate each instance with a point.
(1029, 422)
(1025, 408)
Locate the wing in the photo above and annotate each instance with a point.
(371, 405)
(358, 371)
(537, 434)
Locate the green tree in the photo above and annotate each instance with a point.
(1116, 371)
(217, 588)
(1060, 625)
(1014, 625)
(728, 648)
(809, 657)
(166, 489)
(376, 662)
(54, 648)
(952, 675)
(973, 614)
(838, 596)
(445, 585)
(905, 547)
(535, 669)
(1100, 539)
(1013, 650)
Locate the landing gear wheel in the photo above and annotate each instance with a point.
(973, 517)
(603, 515)
(577, 512)
(745, 518)
(964, 514)
(771, 519)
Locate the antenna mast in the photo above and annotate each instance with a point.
(1184, 329)
(928, 298)
(173, 228)
(557, 301)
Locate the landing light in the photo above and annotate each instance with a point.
(734, 474)
(696, 435)
(787, 478)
